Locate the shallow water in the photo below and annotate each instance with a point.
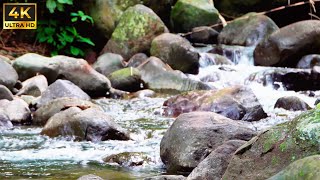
(25, 154)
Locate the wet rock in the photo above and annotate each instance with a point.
(247, 30)
(90, 177)
(187, 14)
(75, 70)
(306, 168)
(137, 59)
(17, 110)
(8, 76)
(166, 177)
(30, 100)
(128, 159)
(160, 77)
(143, 93)
(34, 86)
(5, 93)
(45, 112)
(108, 63)
(177, 52)
(289, 44)
(309, 61)
(209, 59)
(127, 79)
(216, 163)
(59, 89)
(89, 124)
(203, 34)
(292, 103)
(5, 122)
(137, 27)
(274, 149)
(6, 59)
(237, 103)
(236, 54)
(193, 136)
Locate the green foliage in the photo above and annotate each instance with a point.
(62, 34)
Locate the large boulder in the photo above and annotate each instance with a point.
(137, 59)
(5, 93)
(247, 30)
(8, 76)
(274, 149)
(187, 14)
(88, 124)
(193, 136)
(45, 112)
(308, 61)
(127, 79)
(17, 110)
(177, 52)
(216, 163)
(108, 63)
(59, 89)
(34, 86)
(237, 103)
(286, 46)
(307, 168)
(203, 34)
(160, 77)
(75, 70)
(292, 103)
(137, 27)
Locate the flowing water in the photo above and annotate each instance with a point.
(25, 154)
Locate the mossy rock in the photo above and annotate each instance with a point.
(306, 168)
(187, 14)
(127, 79)
(274, 149)
(136, 29)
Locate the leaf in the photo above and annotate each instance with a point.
(51, 5)
(74, 14)
(85, 40)
(54, 53)
(60, 7)
(74, 19)
(81, 13)
(70, 2)
(76, 51)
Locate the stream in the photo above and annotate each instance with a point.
(25, 154)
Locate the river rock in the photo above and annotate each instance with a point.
(193, 136)
(247, 30)
(203, 34)
(292, 103)
(5, 93)
(177, 52)
(160, 77)
(137, 27)
(90, 177)
(108, 63)
(309, 61)
(34, 86)
(8, 76)
(289, 44)
(237, 103)
(166, 177)
(216, 163)
(209, 59)
(75, 70)
(187, 14)
(5, 122)
(128, 159)
(137, 59)
(274, 149)
(45, 112)
(306, 168)
(88, 124)
(17, 110)
(59, 89)
(127, 79)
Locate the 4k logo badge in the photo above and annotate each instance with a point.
(19, 16)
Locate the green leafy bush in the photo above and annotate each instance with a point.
(59, 27)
